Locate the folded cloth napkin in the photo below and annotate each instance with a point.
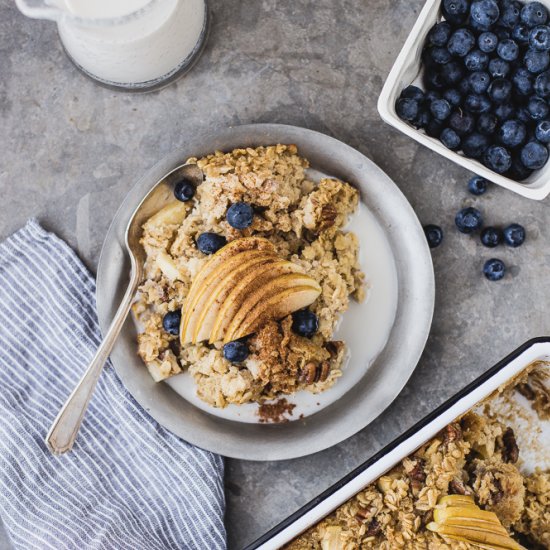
(128, 483)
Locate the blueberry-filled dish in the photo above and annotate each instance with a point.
(485, 84)
(246, 277)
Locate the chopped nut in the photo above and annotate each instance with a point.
(452, 432)
(309, 373)
(417, 473)
(510, 452)
(328, 217)
(334, 347)
(374, 528)
(457, 487)
(324, 371)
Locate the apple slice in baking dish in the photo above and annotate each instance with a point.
(173, 213)
(276, 306)
(249, 284)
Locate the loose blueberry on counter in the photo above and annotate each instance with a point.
(476, 60)
(434, 235)
(236, 351)
(450, 139)
(487, 124)
(537, 107)
(542, 131)
(184, 190)
(491, 237)
(461, 42)
(474, 145)
(523, 81)
(512, 133)
(498, 159)
(478, 185)
(533, 14)
(508, 50)
(487, 42)
(240, 215)
(171, 322)
(484, 13)
(305, 323)
(514, 235)
(534, 155)
(209, 243)
(413, 92)
(468, 220)
(407, 108)
(535, 61)
(498, 68)
(494, 269)
(479, 82)
(440, 109)
(440, 33)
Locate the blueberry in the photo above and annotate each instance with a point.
(509, 15)
(533, 14)
(523, 81)
(487, 124)
(487, 42)
(236, 351)
(450, 139)
(500, 90)
(512, 133)
(542, 84)
(434, 80)
(476, 60)
(498, 68)
(477, 185)
(474, 145)
(462, 123)
(453, 96)
(434, 235)
(439, 34)
(520, 33)
(406, 108)
(508, 50)
(518, 171)
(413, 92)
(440, 109)
(452, 73)
(476, 103)
(505, 111)
(423, 118)
(461, 42)
(440, 55)
(468, 220)
(537, 107)
(171, 322)
(534, 155)
(240, 215)
(463, 87)
(539, 38)
(542, 131)
(523, 114)
(184, 190)
(494, 269)
(491, 237)
(498, 159)
(208, 243)
(479, 82)
(455, 11)
(484, 13)
(434, 128)
(514, 235)
(536, 61)
(305, 323)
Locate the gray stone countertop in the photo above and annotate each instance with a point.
(70, 150)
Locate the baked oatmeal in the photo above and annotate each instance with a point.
(463, 490)
(247, 276)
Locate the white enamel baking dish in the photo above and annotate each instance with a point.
(537, 349)
(407, 70)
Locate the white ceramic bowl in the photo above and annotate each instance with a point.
(406, 70)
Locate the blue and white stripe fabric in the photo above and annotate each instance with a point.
(128, 483)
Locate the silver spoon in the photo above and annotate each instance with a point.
(64, 430)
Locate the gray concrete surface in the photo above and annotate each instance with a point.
(70, 150)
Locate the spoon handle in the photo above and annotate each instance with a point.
(62, 434)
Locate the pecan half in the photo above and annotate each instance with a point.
(334, 347)
(324, 371)
(309, 373)
(510, 452)
(417, 473)
(452, 432)
(457, 487)
(374, 528)
(328, 217)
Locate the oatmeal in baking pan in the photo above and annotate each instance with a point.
(246, 276)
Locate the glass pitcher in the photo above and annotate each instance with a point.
(132, 45)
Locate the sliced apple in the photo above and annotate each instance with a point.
(278, 305)
(457, 500)
(174, 212)
(475, 536)
(248, 284)
(168, 266)
(221, 290)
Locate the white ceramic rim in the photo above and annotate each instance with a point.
(383, 380)
(404, 71)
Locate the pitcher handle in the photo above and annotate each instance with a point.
(39, 10)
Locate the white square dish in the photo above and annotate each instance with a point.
(407, 70)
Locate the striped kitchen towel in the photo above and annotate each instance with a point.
(129, 483)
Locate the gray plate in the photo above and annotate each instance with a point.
(383, 380)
